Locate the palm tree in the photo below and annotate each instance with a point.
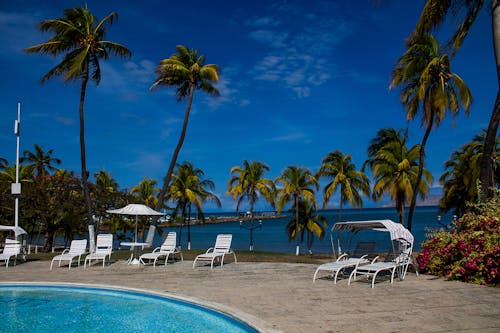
(247, 182)
(3, 163)
(395, 168)
(145, 192)
(104, 180)
(430, 88)
(81, 38)
(309, 222)
(436, 13)
(462, 172)
(187, 71)
(343, 174)
(189, 188)
(297, 183)
(41, 161)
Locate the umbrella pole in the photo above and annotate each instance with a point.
(135, 235)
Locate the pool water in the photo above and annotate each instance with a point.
(33, 308)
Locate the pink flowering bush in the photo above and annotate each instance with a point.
(471, 252)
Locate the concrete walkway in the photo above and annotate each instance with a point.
(282, 297)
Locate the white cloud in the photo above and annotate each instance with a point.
(265, 21)
(228, 89)
(275, 39)
(18, 31)
(299, 56)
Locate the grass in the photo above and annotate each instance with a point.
(242, 256)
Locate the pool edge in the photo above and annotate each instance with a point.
(246, 318)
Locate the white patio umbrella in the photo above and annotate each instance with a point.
(135, 209)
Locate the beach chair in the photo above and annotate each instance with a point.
(150, 237)
(399, 265)
(342, 263)
(165, 250)
(11, 249)
(76, 249)
(221, 248)
(103, 249)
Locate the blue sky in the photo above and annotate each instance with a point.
(298, 80)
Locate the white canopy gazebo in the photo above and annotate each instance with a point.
(17, 230)
(396, 230)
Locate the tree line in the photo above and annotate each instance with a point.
(52, 199)
(428, 89)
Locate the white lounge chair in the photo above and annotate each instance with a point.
(76, 249)
(342, 263)
(150, 237)
(103, 249)
(11, 249)
(165, 250)
(398, 265)
(221, 248)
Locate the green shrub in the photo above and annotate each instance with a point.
(471, 252)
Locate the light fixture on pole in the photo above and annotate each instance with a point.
(251, 227)
(16, 187)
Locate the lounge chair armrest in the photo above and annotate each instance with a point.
(364, 257)
(210, 250)
(375, 259)
(342, 257)
(156, 249)
(65, 251)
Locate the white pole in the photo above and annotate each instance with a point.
(16, 131)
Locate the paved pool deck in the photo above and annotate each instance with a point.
(281, 297)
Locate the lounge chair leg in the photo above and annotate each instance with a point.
(335, 278)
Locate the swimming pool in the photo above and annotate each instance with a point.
(59, 308)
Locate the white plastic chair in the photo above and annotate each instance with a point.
(342, 263)
(165, 250)
(104, 247)
(76, 249)
(11, 249)
(221, 248)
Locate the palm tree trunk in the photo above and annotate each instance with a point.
(189, 227)
(297, 249)
(86, 195)
(340, 207)
(182, 224)
(400, 206)
(173, 161)
(491, 132)
(421, 159)
(252, 203)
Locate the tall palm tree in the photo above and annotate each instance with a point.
(295, 184)
(145, 192)
(247, 182)
(429, 88)
(435, 14)
(395, 168)
(189, 188)
(81, 38)
(462, 172)
(308, 223)
(42, 161)
(187, 71)
(343, 175)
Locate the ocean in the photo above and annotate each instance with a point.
(272, 235)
